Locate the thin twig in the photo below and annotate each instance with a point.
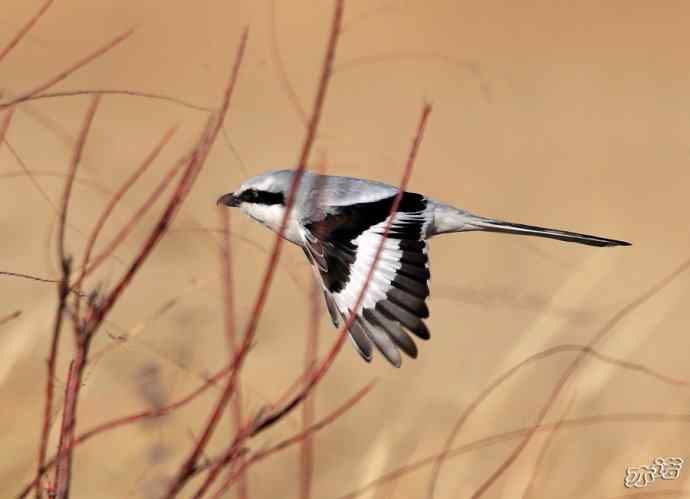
(24, 30)
(10, 317)
(295, 439)
(99, 310)
(76, 159)
(500, 438)
(280, 66)
(63, 293)
(135, 417)
(543, 452)
(231, 334)
(598, 337)
(31, 176)
(129, 182)
(62, 470)
(125, 92)
(128, 227)
(65, 73)
(5, 124)
(472, 407)
(189, 176)
(306, 449)
(309, 404)
(90, 183)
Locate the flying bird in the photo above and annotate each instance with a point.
(339, 223)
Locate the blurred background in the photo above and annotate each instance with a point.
(570, 115)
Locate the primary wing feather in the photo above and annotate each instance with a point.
(342, 246)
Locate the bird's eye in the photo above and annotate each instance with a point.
(250, 195)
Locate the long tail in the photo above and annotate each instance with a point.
(491, 225)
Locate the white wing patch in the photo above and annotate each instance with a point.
(395, 296)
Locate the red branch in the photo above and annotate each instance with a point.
(543, 452)
(129, 182)
(230, 332)
(5, 124)
(133, 418)
(72, 172)
(24, 30)
(63, 291)
(98, 309)
(89, 264)
(295, 439)
(185, 471)
(10, 317)
(306, 449)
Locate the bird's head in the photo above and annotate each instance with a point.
(262, 198)
(269, 189)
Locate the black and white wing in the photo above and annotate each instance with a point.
(342, 247)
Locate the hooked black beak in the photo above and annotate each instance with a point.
(228, 200)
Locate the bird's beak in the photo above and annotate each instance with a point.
(228, 200)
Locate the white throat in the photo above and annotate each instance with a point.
(271, 216)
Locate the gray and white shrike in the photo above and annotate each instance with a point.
(339, 223)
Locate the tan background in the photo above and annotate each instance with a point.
(568, 114)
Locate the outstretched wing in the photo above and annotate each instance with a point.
(342, 247)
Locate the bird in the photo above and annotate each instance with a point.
(339, 223)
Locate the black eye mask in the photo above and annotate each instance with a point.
(262, 197)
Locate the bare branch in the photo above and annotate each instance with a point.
(10, 317)
(231, 334)
(653, 418)
(260, 455)
(5, 124)
(63, 292)
(23, 31)
(472, 407)
(125, 92)
(600, 335)
(65, 73)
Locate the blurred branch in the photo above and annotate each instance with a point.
(23, 31)
(500, 438)
(32, 178)
(65, 73)
(472, 407)
(124, 92)
(598, 337)
(133, 418)
(185, 184)
(299, 437)
(10, 317)
(280, 67)
(129, 182)
(529, 489)
(231, 334)
(5, 124)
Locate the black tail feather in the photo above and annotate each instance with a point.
(491, 225)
